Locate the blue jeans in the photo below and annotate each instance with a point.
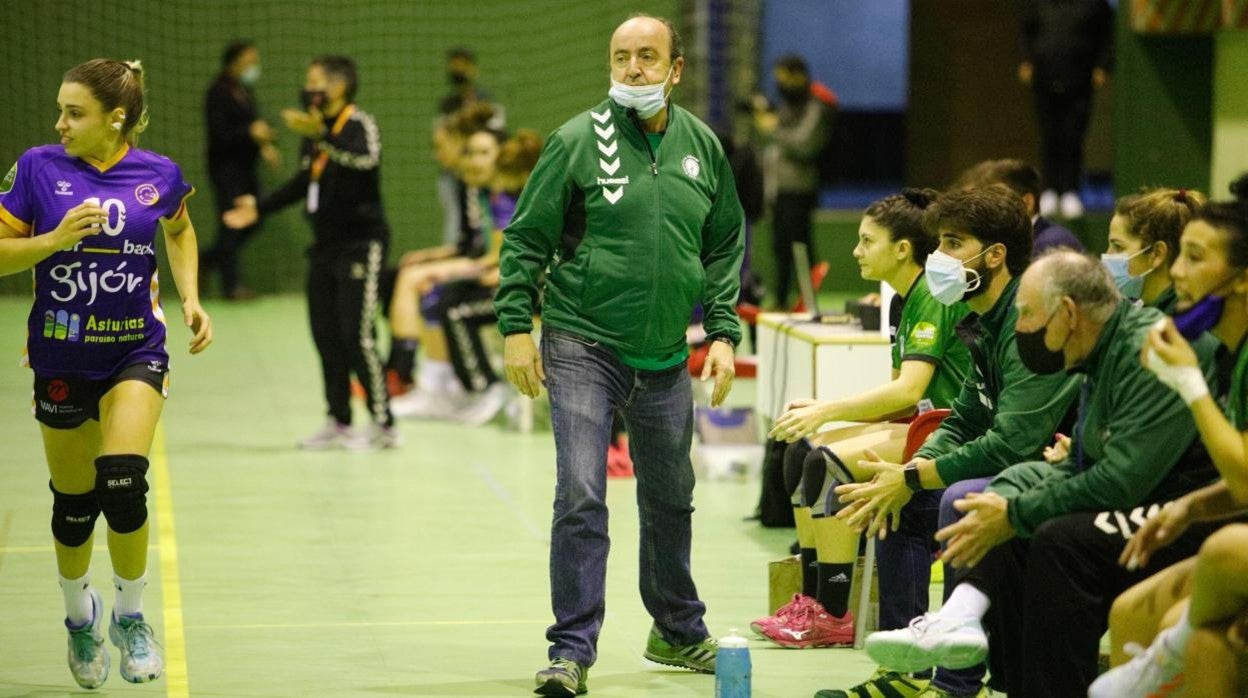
(958, 681)
(587, 384)
(905, 561)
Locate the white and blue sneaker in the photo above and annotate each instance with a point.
(140, 654)
(88, 658)
(1155, 671)
(930, 641)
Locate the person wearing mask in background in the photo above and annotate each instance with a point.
(339, 181)
(1144, 243)
(624, 277)
(237, 137)
(1067, 50)
(461, 75)
(1024, 180)
(798, 131)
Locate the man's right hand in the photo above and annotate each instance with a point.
(1026, 72)
(244, 213)
(523, 364)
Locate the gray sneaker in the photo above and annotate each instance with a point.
(88, 658)
(140, 653)
(376, 438)
(332, 435)
(564, 677)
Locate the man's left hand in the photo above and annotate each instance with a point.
(877, 501)
(310, 123)
(985, 526)
(720, 363)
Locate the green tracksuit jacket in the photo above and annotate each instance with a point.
(1134, 433)
(634, 237)
(1005, 414)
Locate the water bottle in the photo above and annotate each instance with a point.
(732, 667)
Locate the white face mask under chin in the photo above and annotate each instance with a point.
(646, 100)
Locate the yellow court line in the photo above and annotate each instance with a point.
(367, 624)
(177, 683)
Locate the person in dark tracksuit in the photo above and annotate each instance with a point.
(1067, 50)
(237, 138)
(1043, 540)
(340, 181)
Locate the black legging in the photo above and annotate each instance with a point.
(464, 309)
(230, 181)
(790, 223)
(1063, 121)
(343, 303)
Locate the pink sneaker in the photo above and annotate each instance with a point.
(813, 627)
(783, 614)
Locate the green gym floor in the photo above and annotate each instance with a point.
(421, 571)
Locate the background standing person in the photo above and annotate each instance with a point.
(799, 130)
(237, 137)
(461, 73)
(624, 277)
(1067, 51)
(94, 203)
(340, 182)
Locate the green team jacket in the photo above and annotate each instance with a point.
(1134, 433)
(634, 238)
(1005, 414)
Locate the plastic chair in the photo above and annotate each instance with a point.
(920, 428)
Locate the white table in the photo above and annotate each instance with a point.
(802, 359)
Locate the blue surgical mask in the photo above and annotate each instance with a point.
(250, 74)
(947, 277)
(646, 100)
(1130, 286)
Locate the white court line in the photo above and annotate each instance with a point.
(508, 501)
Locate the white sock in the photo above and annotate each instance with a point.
(966, 602)
(129, 600)
(77, 599)
(1176, 638)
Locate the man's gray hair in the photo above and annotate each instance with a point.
(1067, 273)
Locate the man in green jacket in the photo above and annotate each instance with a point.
(1004, 414)
(633, 215)
(1045, 594)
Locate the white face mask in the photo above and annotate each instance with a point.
(647, 100)
(947, 277)
(250, 74)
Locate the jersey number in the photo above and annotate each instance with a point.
(109, 206)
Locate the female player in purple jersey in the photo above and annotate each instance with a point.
(84, 215)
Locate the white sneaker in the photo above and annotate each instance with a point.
(140, 654)
(376, 438)
(88, 658)
(484, 408)
(1072, 206)
(1048, 203)
(424, 404)
(1155, 671)
(332, 435)
(930, 641)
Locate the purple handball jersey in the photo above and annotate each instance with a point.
(97, 306)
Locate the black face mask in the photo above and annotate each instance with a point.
(312, 98)
(1038, 358)
(458, 79)
(795, 95)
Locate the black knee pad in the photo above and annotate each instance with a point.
(814, 474)
(794, 456)
(73, 516)
(121, 486)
